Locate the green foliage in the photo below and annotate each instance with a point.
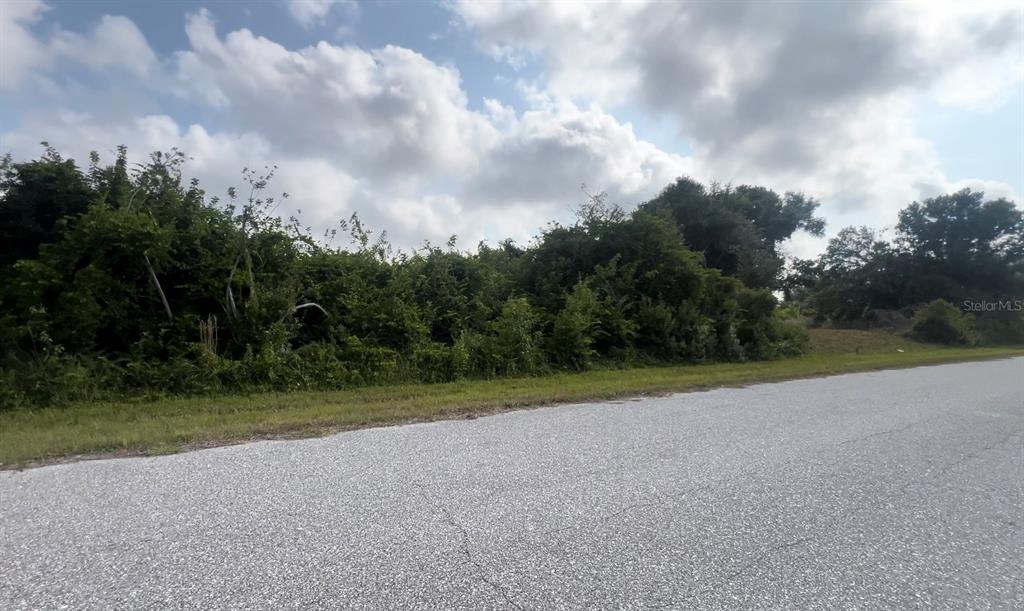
(575, 328)
(509, 344)
(964, 237)
(122, 280)
(789, 336)
(437, 362)
(369, 363)
(35, 198)
(739, 230)
(1005, 327)
(941, 322)
(955, 247)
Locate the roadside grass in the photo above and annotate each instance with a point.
(38, 436)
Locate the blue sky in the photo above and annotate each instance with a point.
(483, 120)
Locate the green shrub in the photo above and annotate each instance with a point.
(11, 393)
(59, 380)
(755, 325)
(437, 362)
(941, 322)
(369, 364)
(574, 329)
(789, 336)
(320, 367)
(269, 363)
(1000, 328)
(510, 344)
(658, 330)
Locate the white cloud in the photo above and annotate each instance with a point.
(691, 56)
(545, 155)
(392, 117)
(789, 99)
(794, 96)
(978, 46)
(389, 112)
(20, 52)
(115, 43)
(314, 12)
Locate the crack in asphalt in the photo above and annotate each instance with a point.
(467, 549)
(767, 555)
(611, 516)
(757, 560)
(880, 433)
(963, 459)
(659, 500)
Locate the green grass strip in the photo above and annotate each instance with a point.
(36, 436)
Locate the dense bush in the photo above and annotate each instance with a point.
(437, 362)
(574, 330)
(118, 281)
(941, 322)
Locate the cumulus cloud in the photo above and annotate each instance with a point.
(314, 12)
(20, 52)
(818, 100)
(115, 43)
(747, 61)
(977, 48)
(385, 132)
(792, 95)
(389, 112)
(545, 154)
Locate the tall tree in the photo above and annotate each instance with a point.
(739, 230)
(972, 241)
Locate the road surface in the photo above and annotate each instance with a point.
(890, 490)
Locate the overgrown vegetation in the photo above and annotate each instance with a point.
(940, 322)
(126, 295)
(121, 280)
(952, 273)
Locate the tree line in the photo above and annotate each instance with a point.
(959, 252)
(121, 280)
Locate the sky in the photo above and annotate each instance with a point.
(486, 120)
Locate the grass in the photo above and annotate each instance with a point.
(29, 437)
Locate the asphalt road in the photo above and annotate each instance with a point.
(891, 490)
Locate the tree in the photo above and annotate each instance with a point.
(946, 248)
(974, 242)
(35, 198)
(738, 230)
